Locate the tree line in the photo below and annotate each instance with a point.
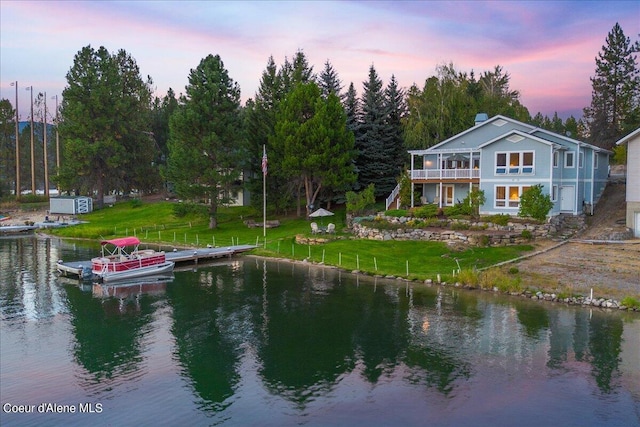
(321, 140)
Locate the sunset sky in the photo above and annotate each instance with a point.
(548, 47)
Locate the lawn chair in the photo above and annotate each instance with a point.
(314, 228)
(331, 228)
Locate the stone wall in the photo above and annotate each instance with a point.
(469, 232)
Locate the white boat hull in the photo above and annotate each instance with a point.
(165, 267)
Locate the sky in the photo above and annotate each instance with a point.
(547, 47)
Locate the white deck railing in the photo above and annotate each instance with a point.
(392, 196)
(436, 174)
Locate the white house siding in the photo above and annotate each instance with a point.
(633, 185)
(633, 180)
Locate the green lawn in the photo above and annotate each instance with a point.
(156, 223)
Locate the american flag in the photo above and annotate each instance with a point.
(264, 161)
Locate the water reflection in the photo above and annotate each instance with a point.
(247, 333)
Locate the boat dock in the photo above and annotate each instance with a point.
(187, 256)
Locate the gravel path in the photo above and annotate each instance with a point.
(586, 262)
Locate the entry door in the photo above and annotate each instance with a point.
(567, 198)
(448, 195)
(636, 231)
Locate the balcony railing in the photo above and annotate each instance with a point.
(437, 174)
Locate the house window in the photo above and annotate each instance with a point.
(554, 193)
(501, 163)
(556, 159)
(580, 159)
(595, 160)
(509, 196)
(569, 159)
(518, 163)
(527, 162)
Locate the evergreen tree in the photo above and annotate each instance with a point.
(260, 119)
(312, 136)
(7, 148)
(205, 142)
(394, 141)
(105, 124)
(292, 73)
(329, 81)
(571, 127)
(352, 108)
(615, 91)
(371, 161)
(161, 111)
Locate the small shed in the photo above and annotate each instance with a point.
(70, 205)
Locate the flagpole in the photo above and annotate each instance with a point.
(264, 190)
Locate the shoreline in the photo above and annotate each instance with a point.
(586, 302)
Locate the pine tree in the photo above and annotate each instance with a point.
(7, 148)
(105, 123)
(371, 161)
(316, 147)
(260, 119)
(206, 142)
(329, 81)
(615, 90)
(352, 108)
(394, 141)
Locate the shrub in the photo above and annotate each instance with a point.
(359, 202)
(33, 198)
(405, 190)
(469, 277)
(459, 209)
(496, 278)
(534, 204)
(474, 200)
(135, 203)
(459, 225)
(426, 211)
(526, 234)
(435, 222)
(484, 240)
(500, 219)
(630, 302)
(396, 213)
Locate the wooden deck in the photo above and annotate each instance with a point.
(187, 256)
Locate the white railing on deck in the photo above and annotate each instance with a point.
(392, 196)
(445, 173)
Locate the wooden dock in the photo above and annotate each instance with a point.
(79, 269)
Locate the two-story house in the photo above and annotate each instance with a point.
(504, 157)
(633, 180)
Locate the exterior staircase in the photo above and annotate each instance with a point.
(393, 201)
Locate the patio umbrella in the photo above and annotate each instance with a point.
(320, 213)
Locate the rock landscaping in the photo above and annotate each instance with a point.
(474, 233)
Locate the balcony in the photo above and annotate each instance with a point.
(466, 175)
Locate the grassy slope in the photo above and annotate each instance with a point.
(155, 223)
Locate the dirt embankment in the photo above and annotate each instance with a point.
(583, 263)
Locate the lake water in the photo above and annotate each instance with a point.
(264, 343)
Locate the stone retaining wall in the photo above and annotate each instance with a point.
(470, 232)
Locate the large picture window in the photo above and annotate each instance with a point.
(509, 196)
(515, 163)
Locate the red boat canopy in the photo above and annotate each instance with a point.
(122, 242)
